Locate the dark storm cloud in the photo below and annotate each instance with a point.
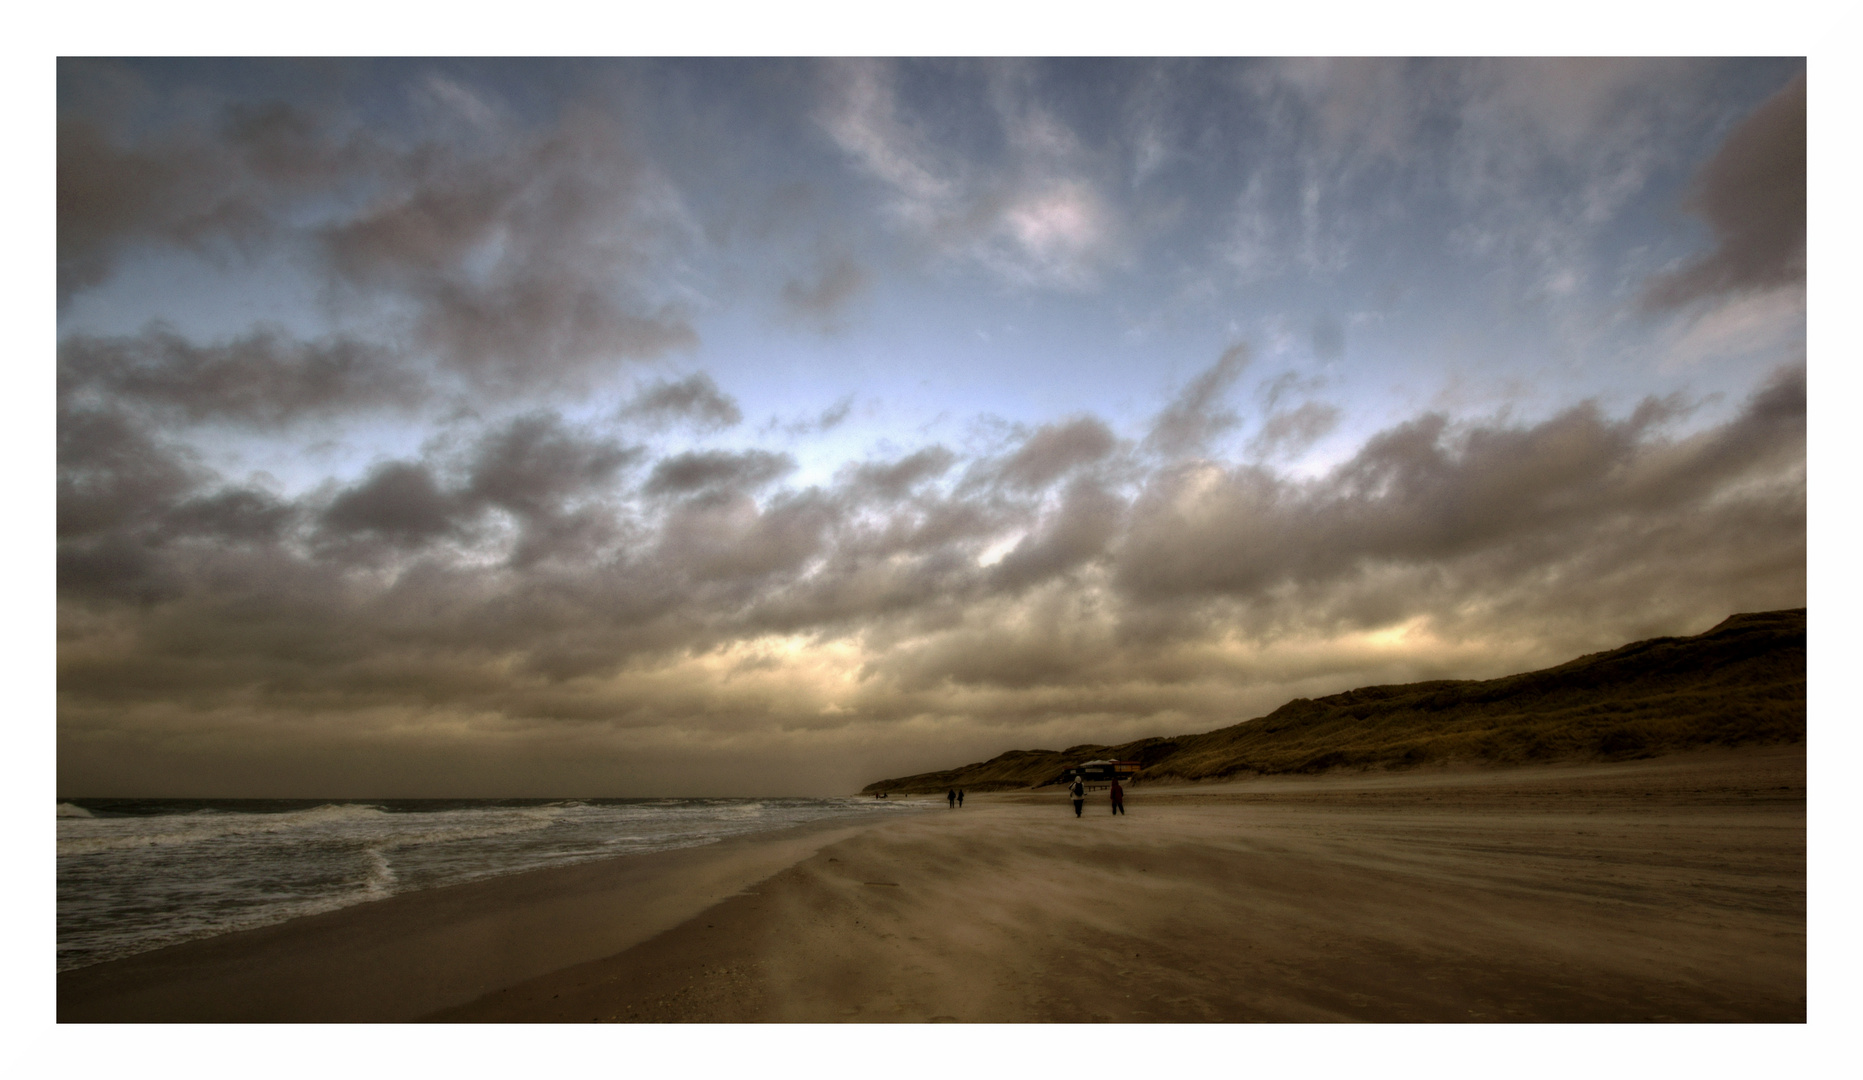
(113, 472)
(232, 515)
(262, 378)
(399, 502)
(710, 470)
(1082, 527)
(531, 465)
(531, 259)
(1752, 194)
(534, 467)
(1199, 413)
(1109, 609)
(1056, 449)
(1423, 492)
(695, 398)
(524, 257)
(728, 539)
(190, 185)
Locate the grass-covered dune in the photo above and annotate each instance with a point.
(1741, 683)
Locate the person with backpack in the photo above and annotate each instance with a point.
(1078, 792)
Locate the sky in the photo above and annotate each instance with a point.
(738, 427)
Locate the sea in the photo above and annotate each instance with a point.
(140, 874)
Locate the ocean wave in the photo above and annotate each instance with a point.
(132, 882)
(382, 877)
(80, 837)
(66, 809)
(358, 822)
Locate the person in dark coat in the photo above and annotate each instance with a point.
(1078, 793)
(1119, 797)
(960, 798)
(951, 797)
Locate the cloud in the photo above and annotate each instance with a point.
(519, 257)
(695, 398)
(1338, 166)
(1424, 493)
(540, 259)
(727, 539)
(260, 379)
(1053, 450)
(191, 185)
(1743, 325)
(834, 415)
(399, 502)
(1198, 415)
(826, 294)
(232, 515)
(536, 461)
(716, 470)
(1294, 430)
(1174, 599)
(533, 467)
(1752, 193)
(893, 480)
(1033, 214)
(113, 472)
(1079, 530)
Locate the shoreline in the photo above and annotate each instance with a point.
(1670, 888)
(407, 955)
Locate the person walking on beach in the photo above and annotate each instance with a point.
(960, 798)
(1119, 797)
(1079, 793)
(951, 797)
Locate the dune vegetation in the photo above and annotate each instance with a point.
(1741, 683)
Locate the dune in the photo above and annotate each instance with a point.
(1741, 683)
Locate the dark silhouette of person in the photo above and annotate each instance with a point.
(960, 798)
(1079, 794)
(951, 797)
(1119, 797)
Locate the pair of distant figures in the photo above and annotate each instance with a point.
(955, 797)
(1078, 792)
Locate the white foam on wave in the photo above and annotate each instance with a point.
(358, 821)
(382, 876)
(66, 809)
(99, 835)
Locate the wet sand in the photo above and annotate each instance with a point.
(1672, 889)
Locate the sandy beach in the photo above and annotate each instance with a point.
(1665, 890)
